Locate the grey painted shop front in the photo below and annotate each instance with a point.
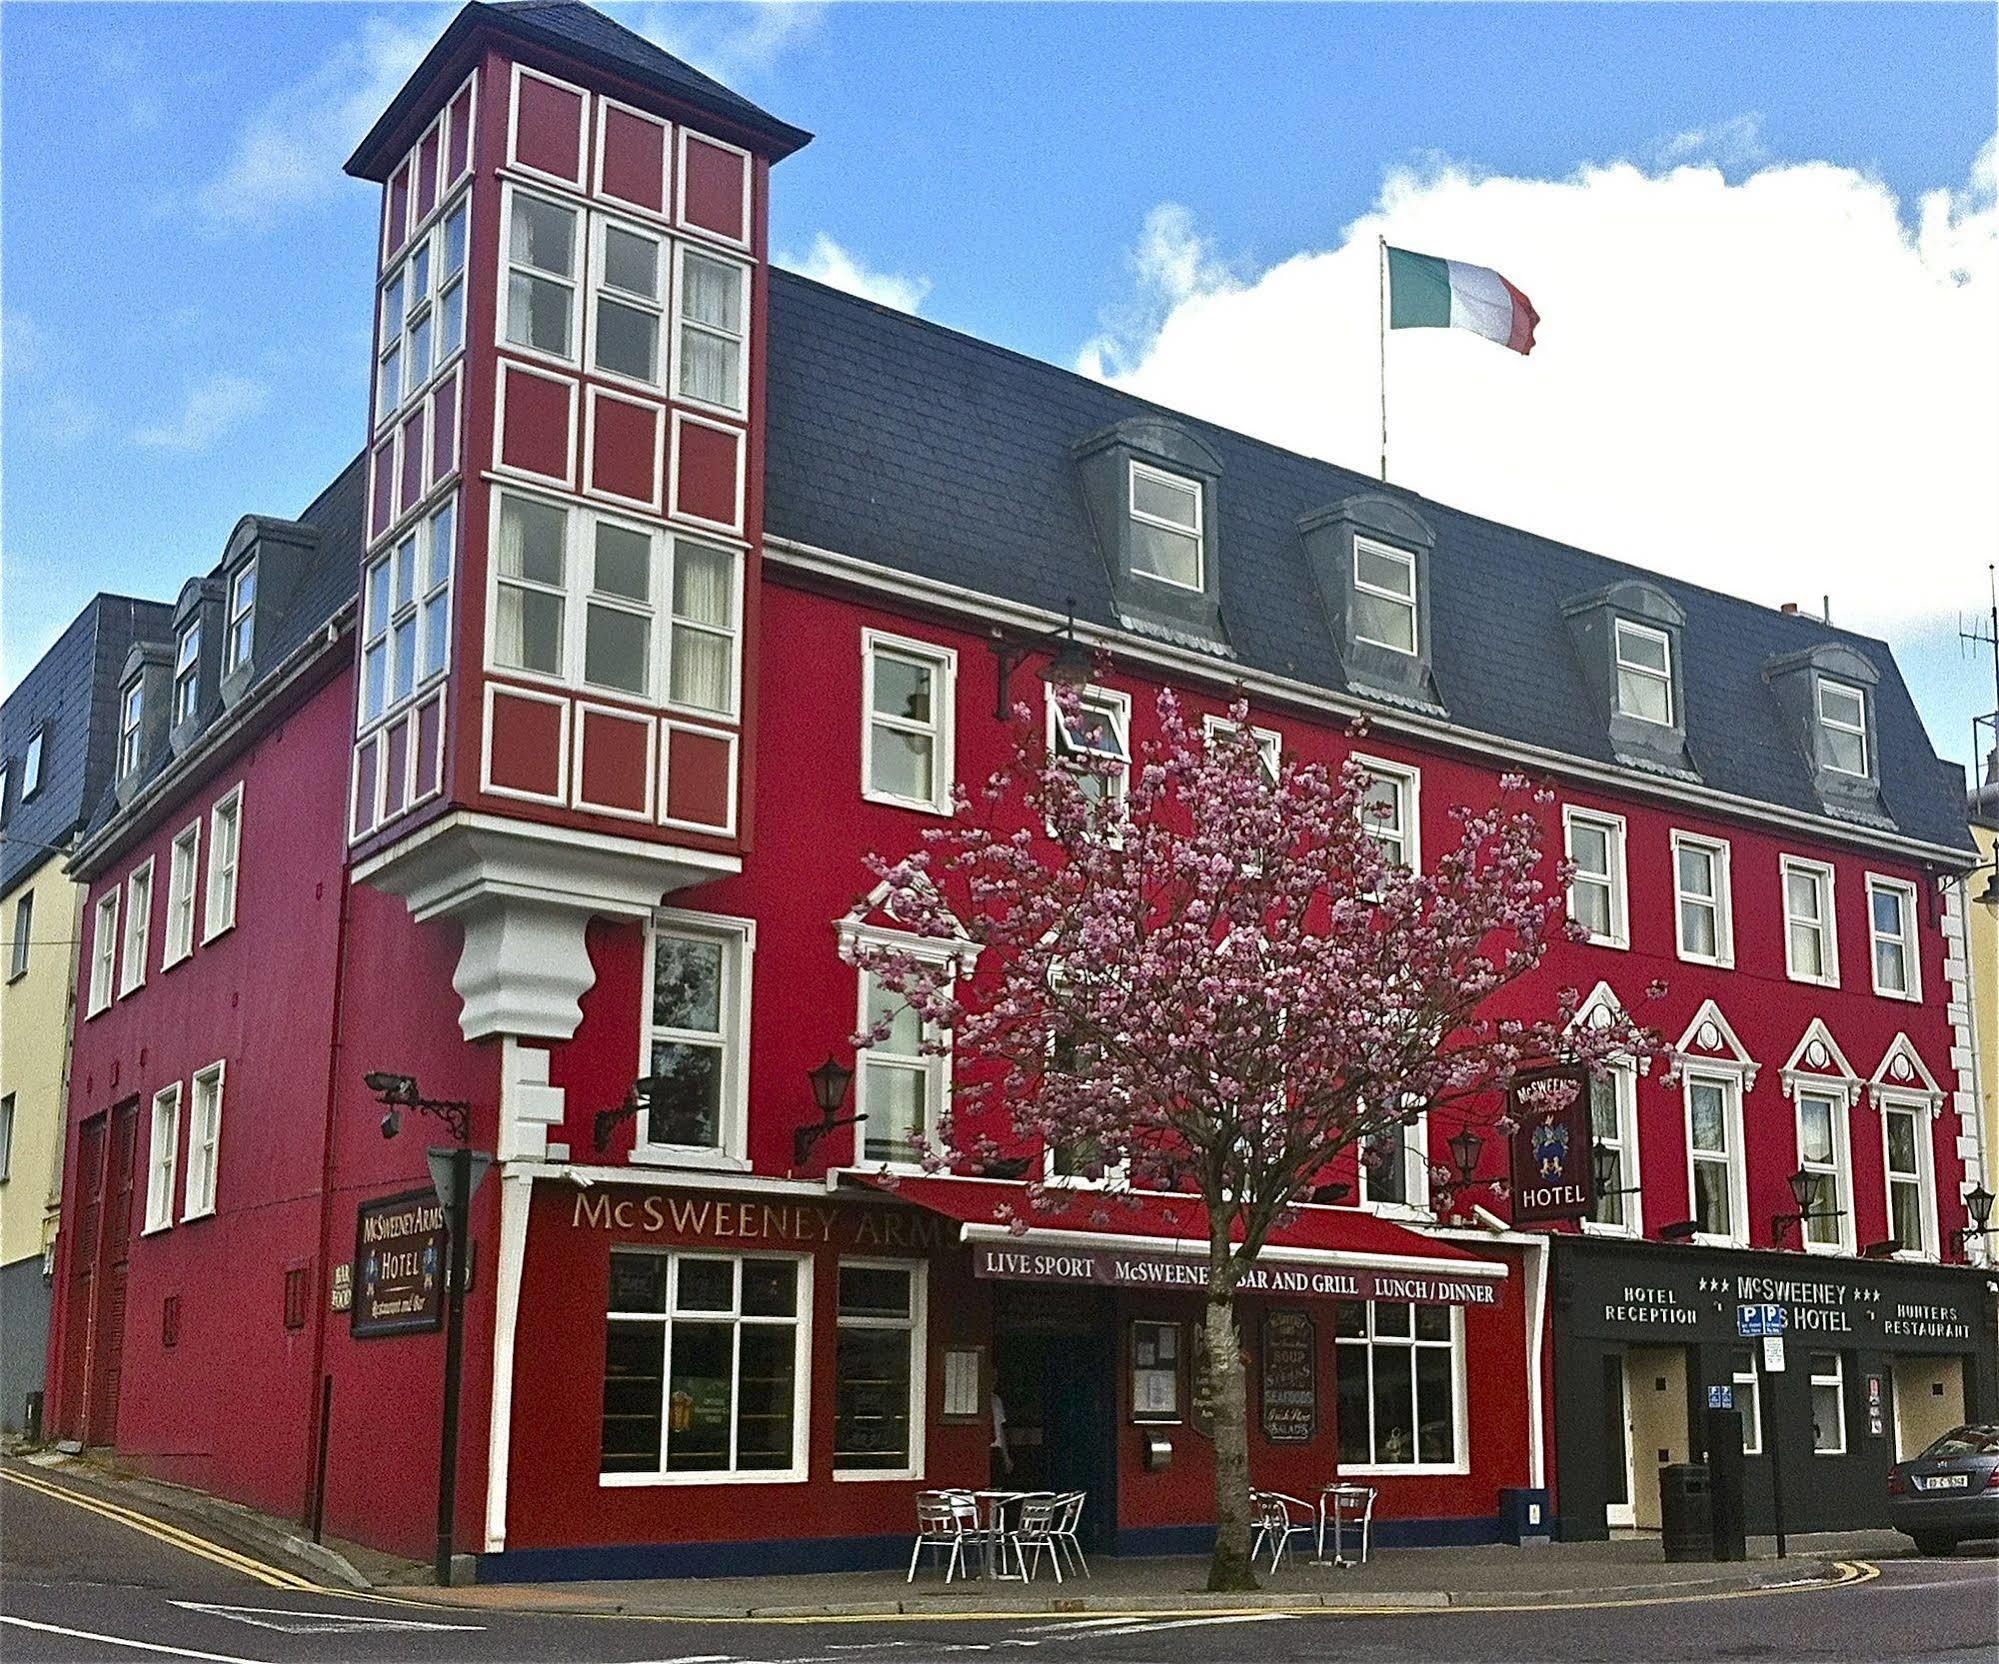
(1879, 1357)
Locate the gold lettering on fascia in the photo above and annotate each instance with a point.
(792, 1225)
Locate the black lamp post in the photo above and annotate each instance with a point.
(829, 1091)
(1977, 1203)
(1466, 1147)
(1801, 1184)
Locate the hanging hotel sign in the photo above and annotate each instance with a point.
(399, 1265)
(1551, 1146)
(1290, 1377)
(1126, 1268)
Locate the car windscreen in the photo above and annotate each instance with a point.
(1965, 1441)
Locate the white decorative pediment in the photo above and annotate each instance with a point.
(1600, 1010)
(1818, 1062)
(876, 922)
(1711, 1040)
(1903, 1074)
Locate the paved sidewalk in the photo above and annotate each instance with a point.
(1433, 1578)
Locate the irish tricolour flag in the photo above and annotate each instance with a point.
(1427, 293)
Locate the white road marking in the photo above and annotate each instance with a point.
(1882, 1585)
(120, 1641)
(1077, 1623)
(1197, 1623)
(294, 1621)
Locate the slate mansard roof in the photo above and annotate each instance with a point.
(70, 696)
(901, 443)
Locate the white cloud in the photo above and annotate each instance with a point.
(288, 155)
(42, 391)
(734, 43)
(828, 262)
(1785, 387)
(1731, 144)
(213, 407)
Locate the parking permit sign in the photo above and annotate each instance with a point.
(1753, 1322)
(1773, 1354)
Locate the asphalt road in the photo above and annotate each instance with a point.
(79, 1585)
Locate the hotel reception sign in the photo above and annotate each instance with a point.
(1143, 1269)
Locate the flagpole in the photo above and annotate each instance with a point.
(1381, 314)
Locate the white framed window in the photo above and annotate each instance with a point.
(24, 930)
(162, 1158)
(909, 692)
(1644, 672)
(225, 850)
(578, 596)
(706, 1368)
(1748, 1381)
(1384, 599)
(1811, 942)
(1703, 900)
(901, 1087)
(712, 334)
(1719, 1197)
(103, 950)
(1828, 1404)
(879, 1358)
(204, 1142)
(1613, 1118)
(1401, 1387)
(187, 673)
(1597, 896)
(453, 235)
(422, 321)
(406, 614)
(138, 927)
(183, 867)
(696, 1038)
(1098, 733)
(6, 1137)
(1825, 1156)
(1168, 543)
(542, 254)
(1891, 931)
(1395, 1168)
(1269, 743)
(1391, 810)
(240, 636)
(31, 764)
(628, 302)
(1908, 1164)
(1843, 722)
(131, 716)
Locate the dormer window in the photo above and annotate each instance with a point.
(1384, 603)
(31, 766)
(1166, 527)
(187, 673)
(131, 712)
(1843, 721)
(242, 616)
(1644, 673)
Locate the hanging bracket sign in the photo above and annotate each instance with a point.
(1552, 1176)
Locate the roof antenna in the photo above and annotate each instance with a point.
(1825, 608)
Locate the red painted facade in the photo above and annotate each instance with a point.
(326, 974)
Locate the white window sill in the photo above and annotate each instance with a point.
(734, 413)
(96, 1011)
(1828, 1452)
(216, 932)
(1906, 996)
(1704, 1240)
(157, 1226)
(1812, 981)
(687, 1155)
(1593, 1227)
(199, 1213)
(1829, 1250)
(1390, 1470)
(180, 958)
(1714, 964)
(864, 1476)
(699, 713)
(127, 993)
(539, 355)
(629, 1481)
(915, 805)
(1621, 944)
(1915, 1256)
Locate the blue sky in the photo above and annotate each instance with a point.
(187, 273)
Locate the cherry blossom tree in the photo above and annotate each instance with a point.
(1215, 980)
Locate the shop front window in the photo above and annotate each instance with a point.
(1828, 1404)
(1748, 1399)
(1399, 1369)
(878, 1370)
(703, 1359)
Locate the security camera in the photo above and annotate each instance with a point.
(392, 1123)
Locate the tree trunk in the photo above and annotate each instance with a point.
(1231, 1567)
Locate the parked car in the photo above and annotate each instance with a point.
(1949, 1494)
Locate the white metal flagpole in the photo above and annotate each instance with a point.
(1381, 260)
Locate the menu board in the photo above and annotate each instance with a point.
(1290, 1377)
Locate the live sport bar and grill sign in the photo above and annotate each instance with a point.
(1126, 1268)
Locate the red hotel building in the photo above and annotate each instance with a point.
(542, 751)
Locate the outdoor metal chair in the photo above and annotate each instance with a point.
(1349, 1505)
(1065, 1530)
(945, 1521)
(1275, 1523)
(1039, 1518)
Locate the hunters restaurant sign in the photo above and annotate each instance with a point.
(1121, 1268)
(1551, 1146)
(399, 1263)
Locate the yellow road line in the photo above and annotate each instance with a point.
(272, 1576)
(1851, 1574)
